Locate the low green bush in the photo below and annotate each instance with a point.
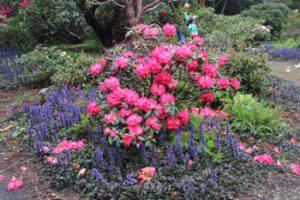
(50, 65)
(274, 14)
(250, 68)
(249, 115)
(288, 43)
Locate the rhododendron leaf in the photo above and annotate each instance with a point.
(110, 140)
(148, 143)
(141, 138)
(147, 114)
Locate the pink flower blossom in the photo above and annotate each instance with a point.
(139, 26)
(235, 83)
(131, 97)
(276, 149)
(68, 145)
(173, 84)
(249, 150)
(167, 98)
(163, 78)
(113, 133)
(134, 120)
(1, 177)
(14, 184)
(206, 112)
(169, 30)
(146, 174)
(205, 82)
(24, 3)
(242, 145)
(142, 71)
(173, 123)
(295, 168)
(151, 32)
(22, 168)
(293, 141)
(136, 130)
(125, 112)
(184, 52)
(210, 70)
(112, 83)
(45, 149)
(121, 62)
(128, 140)
(190, 162)
(208, 97)
(153, 122)
(114, 99)
(96, 69)
(223, 60)
(203, 55)
(51, 160)
(193, 66)
(161, 55)
(184, 117)
(153, 66)
(278, 163)
(110, 118)
(157, 90)
(93, 108)
(198, 40)
(264, 158)
(223, 83)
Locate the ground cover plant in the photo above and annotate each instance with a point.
(125, 135)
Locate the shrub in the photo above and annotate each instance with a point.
(48, 65)
(250, 68)
(288, 43)
(249, 115)
(274, 14)
(292, 27)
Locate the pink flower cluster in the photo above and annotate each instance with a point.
(68, 145)
(142, 88)
(24, 3)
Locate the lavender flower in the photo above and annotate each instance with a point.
(98, 176)
(214, 175)
(171, 158)
(129, 180)
(178, 146)
(99, 157)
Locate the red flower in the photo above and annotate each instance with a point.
(128, 140)
(134, 120)
(112, 83)
(96, 69)
(210, 70)
(157, 90)
(153, 66)
(193, 66)
(184, 52)
(208, 97)
(295, 168)
(153, 122)
(161, 55)
(136, 130)
(142, 71)
(114, 99)
(163, 78)
(169, 30)
(184, 117)
(167, 98)
(205, 82)
(198, 40)
(121, 62)
(93, 108)
(223, 83)
(203, 55)
(124, 112)
(173, 123)
(223, 60)
(24, 3)
(264, 158)
(235, 83)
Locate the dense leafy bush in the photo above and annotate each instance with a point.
(274, 14)
(250, 68)
(290, 43)
(249, 115)
(292, 27)
(51, 65)
(220, 30)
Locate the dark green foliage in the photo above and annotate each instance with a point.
(250, 68)
(274, 14)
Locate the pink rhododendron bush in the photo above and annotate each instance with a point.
(153, 85)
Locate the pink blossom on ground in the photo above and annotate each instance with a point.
(51, 160)
(278, 163)
(293, 141)
(242, 145)
(169, 30)
(45, 149)
(146, 174)
(68, 145)
(295, 168)
(276, 149)
(14, 184)
(249, 150)
(22, 168)
(190, 162)
(264, 158)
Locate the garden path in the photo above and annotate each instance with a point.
(286, 70)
